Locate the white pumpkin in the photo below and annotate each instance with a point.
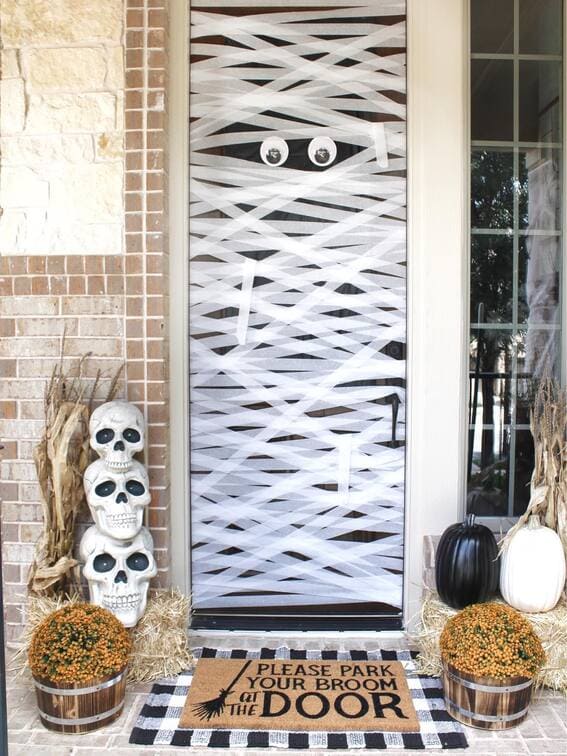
(532, 573)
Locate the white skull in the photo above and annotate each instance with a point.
(117, 499)
(119, 572)
(117, 433)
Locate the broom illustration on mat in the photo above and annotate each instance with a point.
(215, 707)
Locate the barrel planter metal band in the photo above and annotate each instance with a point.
(489, 688)
(83, 708)
(82, 720)
(490, 717)
(79, 691)
(486, 702)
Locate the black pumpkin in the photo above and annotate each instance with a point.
(467, 568)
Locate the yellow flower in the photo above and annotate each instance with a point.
(492, 640)
(77, 643)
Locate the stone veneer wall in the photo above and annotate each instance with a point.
(82, 236)
(62, 127)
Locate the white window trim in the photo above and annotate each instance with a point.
(437, 283)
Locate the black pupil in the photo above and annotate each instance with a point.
(322, 155)
(274, 155)
(135, 487)
(105, 488)
(103, 562)
(104, 436)
(131, 435)
(138, 561)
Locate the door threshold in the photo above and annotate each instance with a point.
(271, 635)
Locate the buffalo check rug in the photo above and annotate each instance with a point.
(170, 705)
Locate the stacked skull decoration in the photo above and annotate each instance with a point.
(117, 551)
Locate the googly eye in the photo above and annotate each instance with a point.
(322, 151)
(274, 151)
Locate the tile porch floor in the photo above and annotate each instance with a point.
(544, 732)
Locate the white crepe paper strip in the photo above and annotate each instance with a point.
(291, 397)
(379, 134)
(344, 448)
(249, 268)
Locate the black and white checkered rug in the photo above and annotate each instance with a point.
(158, 723)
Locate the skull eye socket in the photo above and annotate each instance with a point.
(103, 563)
(138, 561)
(105, 488)
(104, 436)
(131, 435)
(135, 487)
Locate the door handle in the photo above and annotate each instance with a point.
(395, 407)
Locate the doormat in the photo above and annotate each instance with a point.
(333, 696)
(202, 707)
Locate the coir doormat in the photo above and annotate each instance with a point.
(284, 698)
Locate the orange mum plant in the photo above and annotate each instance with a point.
(491, 640)
(77, 643)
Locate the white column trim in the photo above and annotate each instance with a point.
(437, 269)
(178, 190)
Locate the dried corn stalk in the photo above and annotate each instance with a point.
(60, 459)
(548, 488)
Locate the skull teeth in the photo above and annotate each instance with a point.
(112, 464)
(130, 601)
(121, 520)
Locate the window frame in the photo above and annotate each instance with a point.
(500, 525)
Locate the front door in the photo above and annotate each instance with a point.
(297, 312)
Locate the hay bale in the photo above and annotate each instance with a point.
(160, 641)
(551, 628)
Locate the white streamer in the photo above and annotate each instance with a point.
(245, 300)
(298, 293)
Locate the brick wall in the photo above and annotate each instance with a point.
(106, 290)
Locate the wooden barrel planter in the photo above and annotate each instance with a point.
(488, 703)
(81, 707)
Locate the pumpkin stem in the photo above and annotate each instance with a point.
(533, 522)
(469, 520)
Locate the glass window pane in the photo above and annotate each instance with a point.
(523, 467)
(490, 415)
(539, 353)
(491, 279)
(539, 101)
(540, 26)
(492, 29)
(492, 189)
(492, 99)
(487, 490)
(516, 240)
(490, 369)
(539, 189)
(539, 268)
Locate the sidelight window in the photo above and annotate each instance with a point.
(516, 239)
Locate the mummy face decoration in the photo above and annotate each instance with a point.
(322, 151)
(117, 433)
(117, 499)
(274, 151)
(119, 572)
